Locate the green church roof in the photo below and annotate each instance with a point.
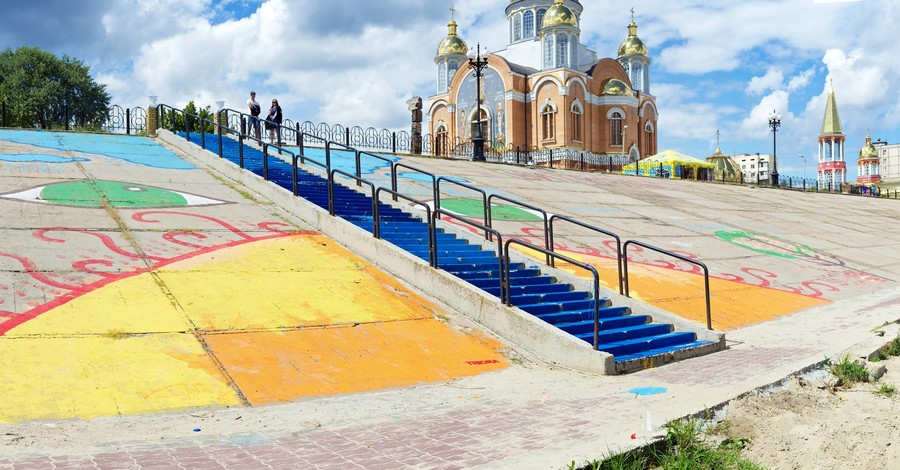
(831, 123)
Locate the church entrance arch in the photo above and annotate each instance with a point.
(492, 116)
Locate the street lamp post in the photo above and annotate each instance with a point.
(478, 61)
(804, 166)
(774, 124)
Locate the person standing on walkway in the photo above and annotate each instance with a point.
(273, 122)
(255, 111)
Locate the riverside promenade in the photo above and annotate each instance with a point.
(156, 314)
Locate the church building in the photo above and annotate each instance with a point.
(546, 89)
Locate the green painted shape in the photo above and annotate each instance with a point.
(116, 194)
(474, 208)
(786, 248)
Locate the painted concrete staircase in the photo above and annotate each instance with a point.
(628, 337)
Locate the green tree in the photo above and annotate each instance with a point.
(195, 114)
(41, 90)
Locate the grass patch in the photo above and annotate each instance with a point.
(849, 371)
(684, 448)
(887, 391)
(893, 347)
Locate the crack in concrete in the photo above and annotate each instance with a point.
(194, 330)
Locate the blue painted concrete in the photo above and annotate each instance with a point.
(647, 391)
(133, 149)
(39, 158)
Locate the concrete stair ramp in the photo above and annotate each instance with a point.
(552, 308)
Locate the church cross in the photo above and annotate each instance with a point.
(632, 14)
(718, 134)
(452, 12)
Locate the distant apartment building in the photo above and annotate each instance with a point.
(889, 155)
(755, 167)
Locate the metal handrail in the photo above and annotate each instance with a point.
(565, 258)
(351, 176)
(527, 206)
(596, 229)
(484, 206)
(434, 216)
(432, 254)
(434, 190)
(360, 153)
(674, 255)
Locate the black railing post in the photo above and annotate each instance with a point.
(347, 135)
(4, 115)
(187, 126)
(243, 125)
(394, 142)
(241, 150)
(551, 158)
(265, 161)
(299, 136)
(127, 121)
(582, 161)
(203, 133)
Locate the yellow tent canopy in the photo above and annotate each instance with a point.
(668, 164)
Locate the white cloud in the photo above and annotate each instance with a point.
(772, 80)
(801, 80)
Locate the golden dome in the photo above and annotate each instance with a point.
(726, 169)
(868, 151)
(632, 45)
(616, 87)
(452, 44)
(559, 15)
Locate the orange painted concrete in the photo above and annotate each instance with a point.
(733, 304)
(273, 367)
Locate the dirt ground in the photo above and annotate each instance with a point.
(810, 424)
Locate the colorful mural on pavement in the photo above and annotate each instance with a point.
(97, 194)
(131, 298)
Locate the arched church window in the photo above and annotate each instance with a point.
(481, 118)
(528, 24)
(451, 72)
(548, 51)
(517, 27)
(577, 122)
(573, 53)
(540, 18)
(562, 50)
(615, 128)
(548, 123)
(442, 77)
(648, 140)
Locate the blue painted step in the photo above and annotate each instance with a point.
(625, 336)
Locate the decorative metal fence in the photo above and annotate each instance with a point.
(121, 120)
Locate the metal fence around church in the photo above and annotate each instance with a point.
(125, 120)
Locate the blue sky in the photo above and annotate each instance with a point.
(722, 65)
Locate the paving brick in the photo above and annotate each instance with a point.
(71, 463)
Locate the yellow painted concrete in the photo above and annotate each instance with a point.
(116, 350)
(287, 282)
(276, 367)
(88, 377)
(133, 305)
(733, 304)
